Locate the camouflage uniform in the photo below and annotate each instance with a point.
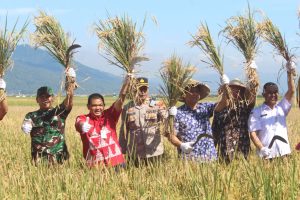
(140, 134)
(47, 135)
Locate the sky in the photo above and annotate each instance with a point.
(176, 21)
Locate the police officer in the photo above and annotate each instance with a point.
(140, 136)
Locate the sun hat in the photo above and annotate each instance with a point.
(203, 89)
(237, 82)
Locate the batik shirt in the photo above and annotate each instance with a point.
(48, 134)
(100, 143)
(230, 130)
(189, 124)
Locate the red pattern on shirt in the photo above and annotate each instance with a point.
(97, 150)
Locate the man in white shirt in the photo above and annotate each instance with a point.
(267, 123)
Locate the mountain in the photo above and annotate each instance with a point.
(34, 68)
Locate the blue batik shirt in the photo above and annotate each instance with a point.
(191, 123)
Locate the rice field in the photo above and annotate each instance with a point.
(170, 179)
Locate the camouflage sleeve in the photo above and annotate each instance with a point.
(61, 111)
(28, 116)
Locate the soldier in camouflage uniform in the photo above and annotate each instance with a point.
(140, 136)
(46, 126)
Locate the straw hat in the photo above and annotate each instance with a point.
(237, 82)
(203, 89)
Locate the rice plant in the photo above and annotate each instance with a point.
(50, 35)
(204, 41)
(242, 32)
(271, 33)
(122, 44)
(171, 178)
(8, 42)
(176, 77)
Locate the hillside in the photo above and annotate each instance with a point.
(35, 67)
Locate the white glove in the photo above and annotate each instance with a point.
(290, 66)
(130, 75)
(265, 151)
(224, 79)
(71, 72)
(173, 111)
(186, 147)
(252, 65)
(27, 126)
(85, 127)
(2, 84)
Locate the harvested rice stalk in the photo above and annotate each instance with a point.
(204, 41)
(8, 43)
(242, 32)
(122, 43)
(50, 35)
(270, 33)
(175, 77)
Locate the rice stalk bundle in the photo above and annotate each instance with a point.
(50, 35)
(122, 44)
(8, 44)
(271, 33)
(242, 32)
(175, 78)
(204, 41)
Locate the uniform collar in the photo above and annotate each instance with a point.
(145, 103)
(266, 107)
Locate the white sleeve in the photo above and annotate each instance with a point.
(285, 105)
(253, 121)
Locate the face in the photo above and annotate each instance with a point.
(193, 96)
(237, 91)
(45, 101)
(96, 107)
(271, 96)
(143, 93)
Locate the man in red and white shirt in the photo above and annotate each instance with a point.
(98, 130)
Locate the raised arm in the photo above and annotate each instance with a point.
(291, 85)
(252, 84)
(70, 86)
(119, 103)
(123, 131)
(223, 103)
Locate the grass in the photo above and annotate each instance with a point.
(171, 179)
